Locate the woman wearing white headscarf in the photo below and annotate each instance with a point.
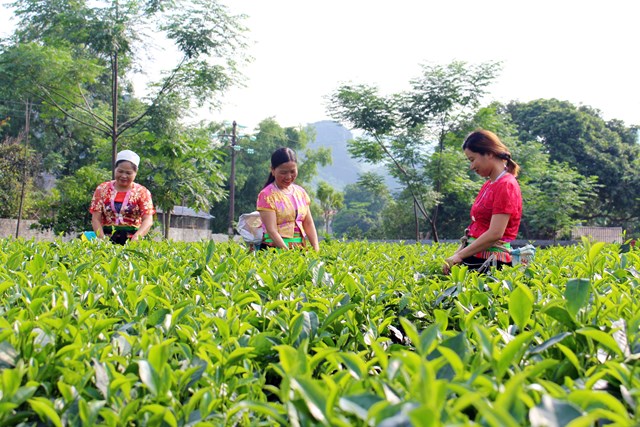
(122, 210)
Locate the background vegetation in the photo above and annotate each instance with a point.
(67, 102)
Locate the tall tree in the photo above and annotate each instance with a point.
(364, 203)
(111, 36)
(17, 167)
(182, 168)
(330, 202)
(579, 137)
(403, 130)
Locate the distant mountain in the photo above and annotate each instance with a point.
(344, 170)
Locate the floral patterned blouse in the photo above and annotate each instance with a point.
(291, 209)
(133, 208)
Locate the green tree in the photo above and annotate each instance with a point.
(63, 145)
(578, 136)
(66, 210)
(110, 38)
(403, 130)
(364, 203)
(554, 194)
(330, 202)
(17, 167)
(183, 168)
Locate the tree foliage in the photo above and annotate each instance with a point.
(182, 168)
(402, 130)
(17, 165)
(66, 210)
(364, 203)
(579, 137)
(331, 201)
(97, 47)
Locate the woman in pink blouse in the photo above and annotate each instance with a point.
(122, 210)
(284, 206)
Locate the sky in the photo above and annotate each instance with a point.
(585, 52)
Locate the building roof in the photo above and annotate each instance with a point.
(599, 234)
(185, 211)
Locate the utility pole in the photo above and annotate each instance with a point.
(232, 180)
(24, 166)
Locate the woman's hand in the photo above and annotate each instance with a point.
(96, 224)
(145, 226)
(310, 228)
(269, 220)
(450, 262)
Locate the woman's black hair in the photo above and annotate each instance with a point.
(135, 168)
(280, 156)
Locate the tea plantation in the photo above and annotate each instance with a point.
(360, 334)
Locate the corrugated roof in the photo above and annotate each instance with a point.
(185, 211)
(599, 234)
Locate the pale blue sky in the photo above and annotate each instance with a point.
(581, 51)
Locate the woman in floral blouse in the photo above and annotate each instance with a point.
(284, 206)
(122, 210)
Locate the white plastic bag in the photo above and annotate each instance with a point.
(250, 228)
(523, 255)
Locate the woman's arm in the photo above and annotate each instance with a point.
(487, 239)
(145, 226)
(310, 229)
(269, 220)
(96, 224)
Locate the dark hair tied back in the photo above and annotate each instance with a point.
(280, 156)
(482, 141)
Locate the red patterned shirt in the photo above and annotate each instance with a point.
(134, 207)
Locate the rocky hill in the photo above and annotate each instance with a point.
(344, 170)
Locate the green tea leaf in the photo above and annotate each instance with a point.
(601, 337)
(359, 405)
(293, 362)
(8, 355)
(560, 314)
(576, 295)
(44, 408)
(270, 410)
(149, 377)
(314, 397)
(211, 247)
(521, 306)
(356, 366)
(512, 353)
(553, 413)
(550, 342)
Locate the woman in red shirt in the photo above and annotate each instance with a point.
(122, 210)
(497, 210)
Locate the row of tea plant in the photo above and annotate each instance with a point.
(371, 334)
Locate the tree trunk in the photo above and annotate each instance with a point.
(166, 219)
(114, 112)
(415, 215)
(232, 182)
(436, 208)
(24, 166)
